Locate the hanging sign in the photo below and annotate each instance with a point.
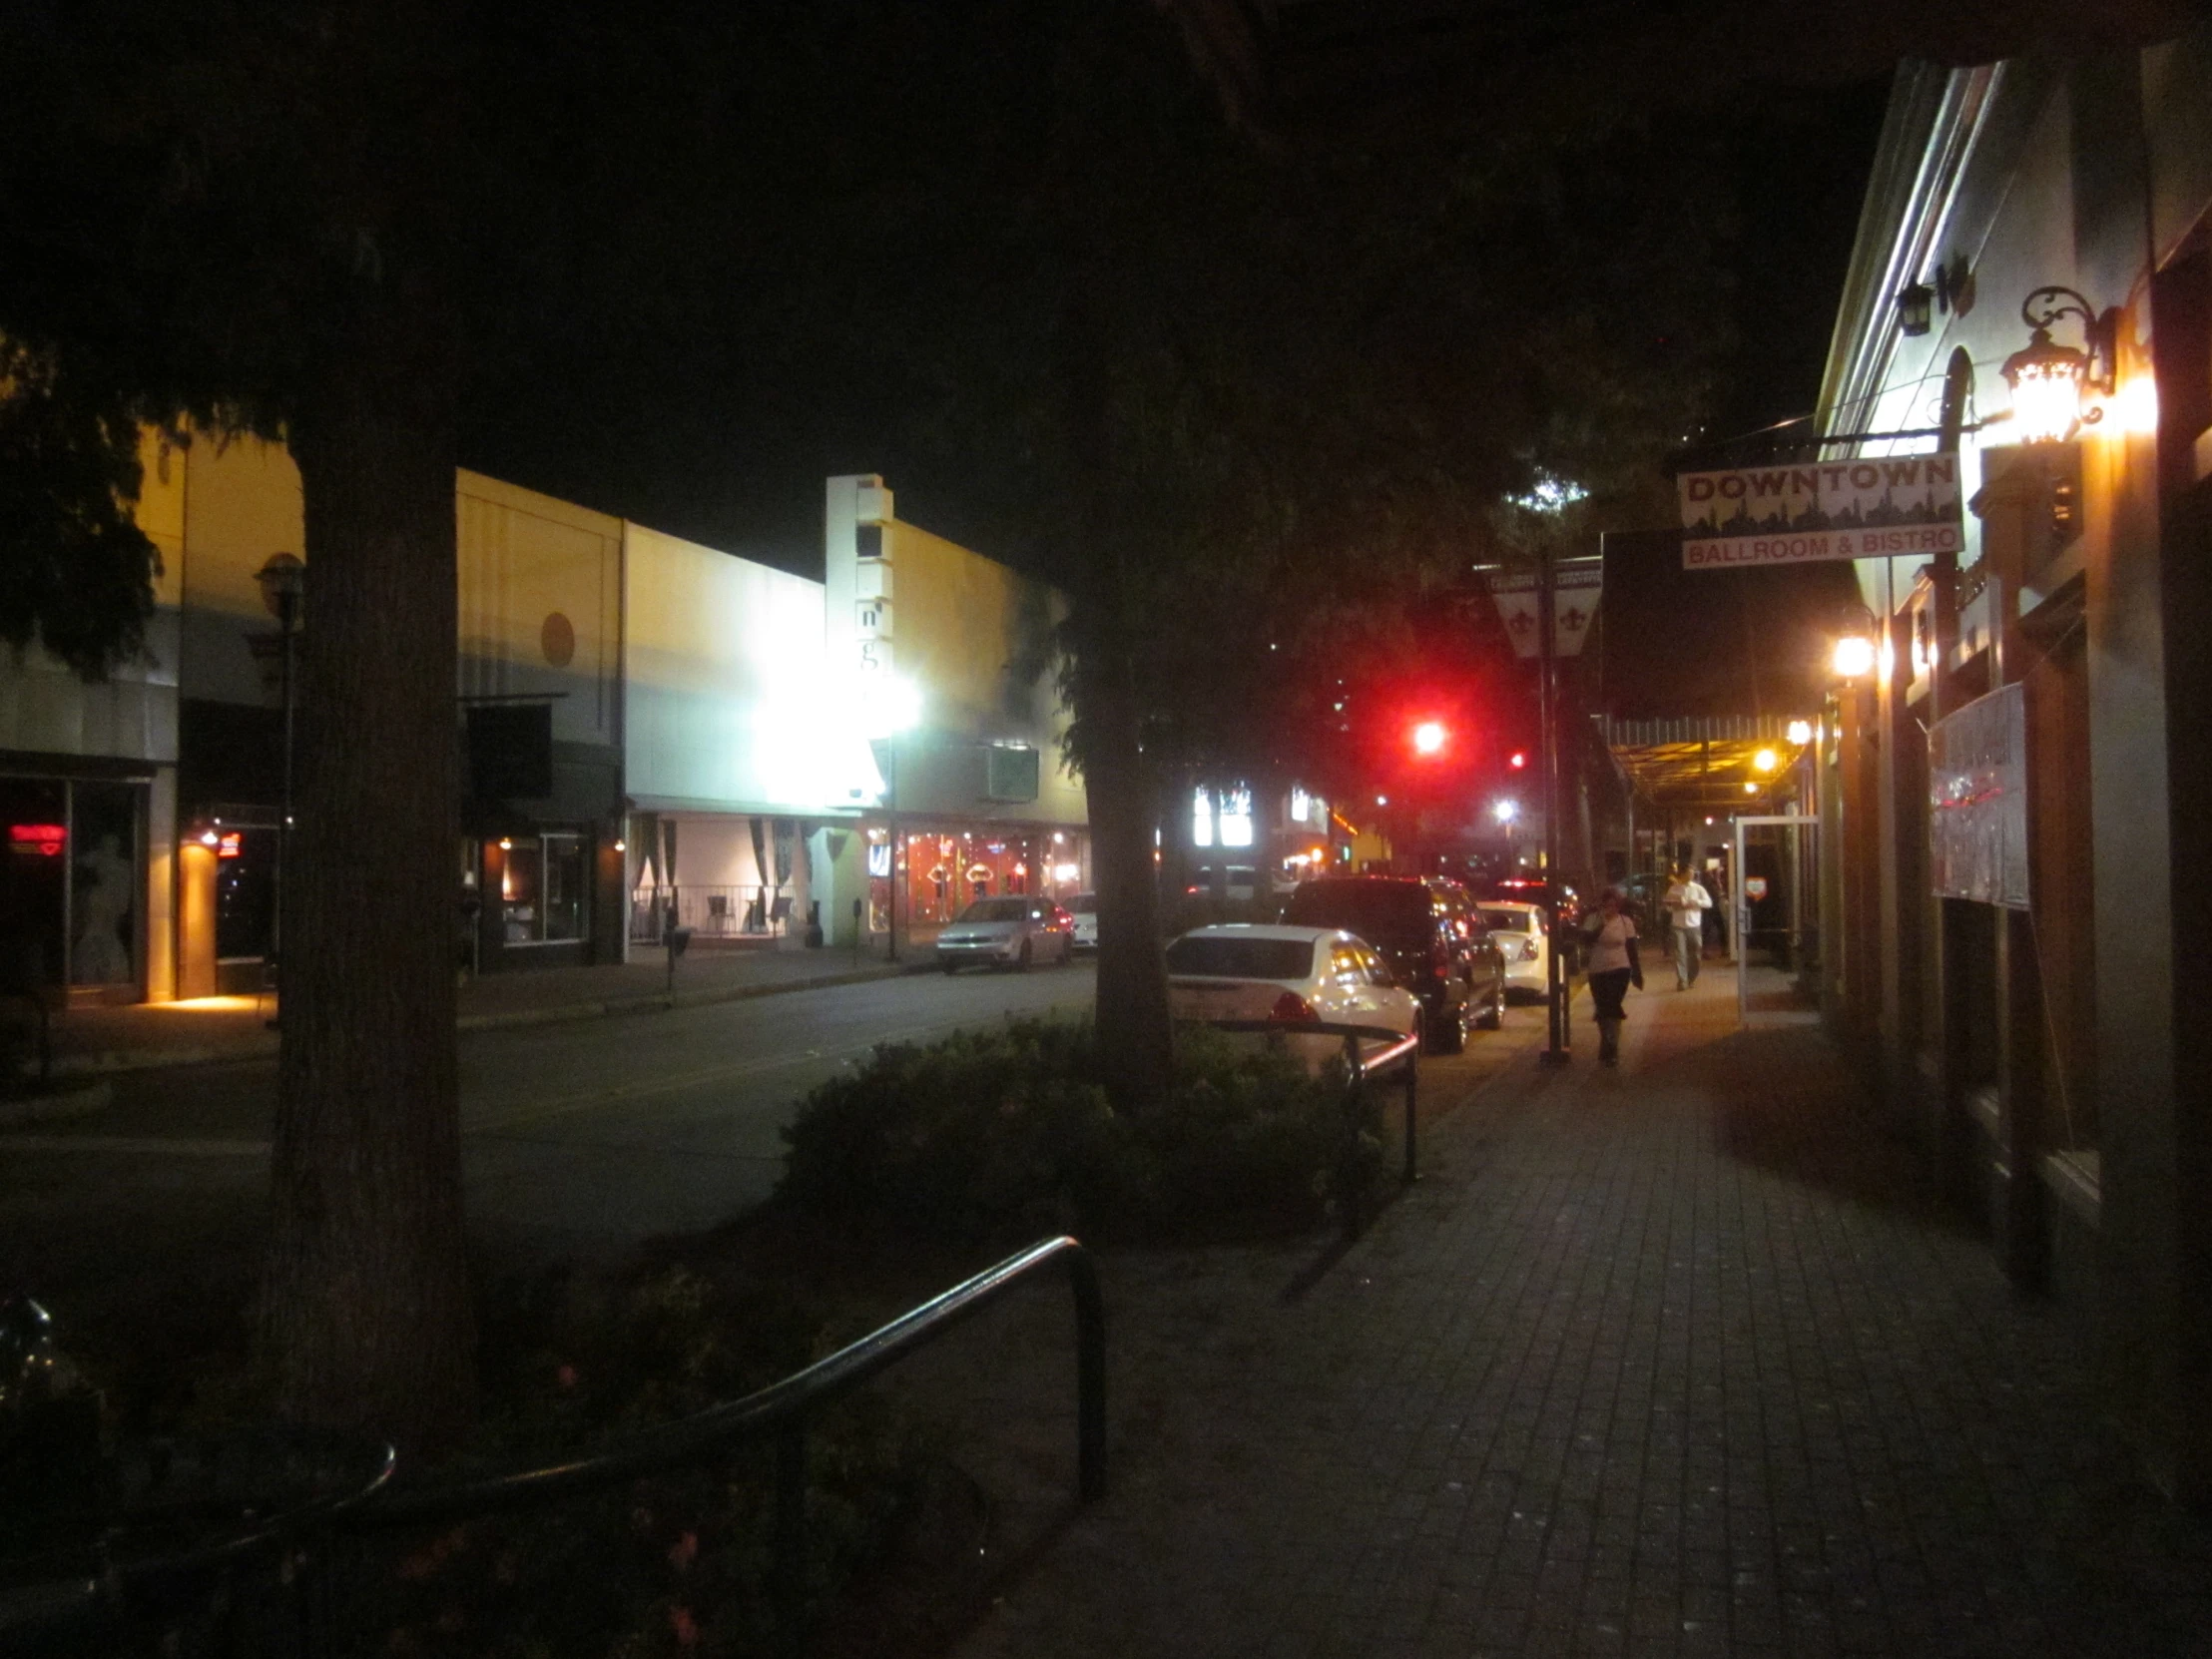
(1577, 586)
(1784, 515)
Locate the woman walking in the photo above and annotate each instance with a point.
(1615, 966)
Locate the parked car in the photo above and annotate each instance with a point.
(1009, 931)
(1289, 976)
(1084, 908)
(1433, 937)
(1534, 890)
(1519, 931)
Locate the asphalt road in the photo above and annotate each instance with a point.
(580, 1139)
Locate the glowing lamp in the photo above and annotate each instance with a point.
(1506, 810)
(207, 838)
(1429, 738)
(1765, 760)
(1517, 760)
(2048, 379)
(1801, 731)
(1853, 658)
(1751, 788)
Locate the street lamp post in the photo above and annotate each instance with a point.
(282, 581)
(1557, 1049)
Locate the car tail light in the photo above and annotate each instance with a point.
(1441, 961)
(1292, 1010)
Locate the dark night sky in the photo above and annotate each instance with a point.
(694, 446)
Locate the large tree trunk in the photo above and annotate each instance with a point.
(366, 1317)
(1136, 1038)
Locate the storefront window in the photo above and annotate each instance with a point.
(34, 881)
(544, 888)
(564, 886)
(245, 892)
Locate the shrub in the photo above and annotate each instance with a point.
(987, 1134)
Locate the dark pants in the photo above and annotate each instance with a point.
(1606, 991)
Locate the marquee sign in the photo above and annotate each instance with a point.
(1857, 509)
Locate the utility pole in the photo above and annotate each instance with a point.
(1557, 1048)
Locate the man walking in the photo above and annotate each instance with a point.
(1686, 904)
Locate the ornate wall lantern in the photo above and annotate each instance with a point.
(2049, 380)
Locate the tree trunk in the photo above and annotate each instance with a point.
(1135, 1036)
(365, 1319)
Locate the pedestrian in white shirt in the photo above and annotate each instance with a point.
(1686, 904)
(1615, 966)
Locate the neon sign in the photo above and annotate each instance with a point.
(44, 841)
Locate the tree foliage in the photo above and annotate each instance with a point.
(76, 571)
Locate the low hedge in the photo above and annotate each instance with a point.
(1000, 1134)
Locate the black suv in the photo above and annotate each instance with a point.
(1431, 935)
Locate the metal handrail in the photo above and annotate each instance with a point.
(1400, 1048)
(780, 1409)
(669, 1446)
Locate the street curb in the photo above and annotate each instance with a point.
(662, 1002)
(76, 1103)
(108, 1062)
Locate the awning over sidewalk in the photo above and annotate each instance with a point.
(1704, 762)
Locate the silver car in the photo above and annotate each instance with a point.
(1010, 932)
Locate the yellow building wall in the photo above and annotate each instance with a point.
(961, 620)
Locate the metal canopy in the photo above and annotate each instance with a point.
(1701, 762)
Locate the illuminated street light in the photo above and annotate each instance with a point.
(1517, 760)
(1854, 657)
(1506, 810)
(2048, 379)
(1801, 731)
(1765, 760)
(1429, 738)
(1751, 788)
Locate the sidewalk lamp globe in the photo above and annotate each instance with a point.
(2046, 390)
(1765, 760)
(1506, 810)
(1801, 731)
(1853, 658)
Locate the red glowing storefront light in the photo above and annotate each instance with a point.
(46, 840)
(228, 847)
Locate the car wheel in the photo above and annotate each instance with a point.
(1493, 1011)
(1451, 1034)
(951, 969)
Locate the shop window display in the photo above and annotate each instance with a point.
(544, 888)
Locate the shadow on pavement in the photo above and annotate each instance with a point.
(1783, 1103)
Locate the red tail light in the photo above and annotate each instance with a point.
(1292, 1010)
(1441, 960)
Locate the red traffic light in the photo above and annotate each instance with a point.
(1518, 761)
(1430, 737)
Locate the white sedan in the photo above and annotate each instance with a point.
(1289, 978)
(1519, 931)
(1009, 931)
(1084, 907)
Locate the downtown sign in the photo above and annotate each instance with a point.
(1854, 509)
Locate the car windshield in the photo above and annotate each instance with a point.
(996, 909)
(1514, 921)
(1369, 908)
(1220, 956)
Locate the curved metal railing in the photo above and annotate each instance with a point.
(779, 1411)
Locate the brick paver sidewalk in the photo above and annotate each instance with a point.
(1672, 1360)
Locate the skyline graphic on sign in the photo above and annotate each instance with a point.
(1853, 509)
